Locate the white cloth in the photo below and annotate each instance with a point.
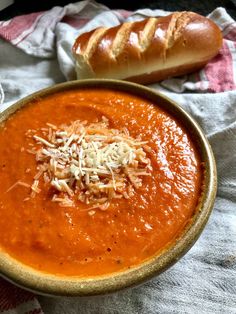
(204, 280)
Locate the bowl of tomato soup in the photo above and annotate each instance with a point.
(104, 184)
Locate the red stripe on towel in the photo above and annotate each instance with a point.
(18, 25)
(12, 296)
(219, 71)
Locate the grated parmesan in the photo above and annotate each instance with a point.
(89, 162)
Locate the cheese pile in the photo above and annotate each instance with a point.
(92, 163)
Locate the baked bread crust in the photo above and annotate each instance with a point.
(148, 51)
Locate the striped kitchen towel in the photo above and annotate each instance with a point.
(14, 300)
(35, 34)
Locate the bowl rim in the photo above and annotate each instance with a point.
(48, 284)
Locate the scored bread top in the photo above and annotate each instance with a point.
(150, 45)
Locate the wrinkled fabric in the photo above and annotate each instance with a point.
(204, 280)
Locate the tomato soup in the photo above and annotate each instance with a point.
(82, 240)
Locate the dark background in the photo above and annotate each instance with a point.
(202, 7)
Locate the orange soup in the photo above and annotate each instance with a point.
(56, 223)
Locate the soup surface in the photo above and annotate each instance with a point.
(66, 240)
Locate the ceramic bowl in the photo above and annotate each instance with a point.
(48, 284)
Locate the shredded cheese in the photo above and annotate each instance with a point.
(89, 162)
(18, 183)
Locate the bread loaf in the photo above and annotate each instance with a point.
(149, 50)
